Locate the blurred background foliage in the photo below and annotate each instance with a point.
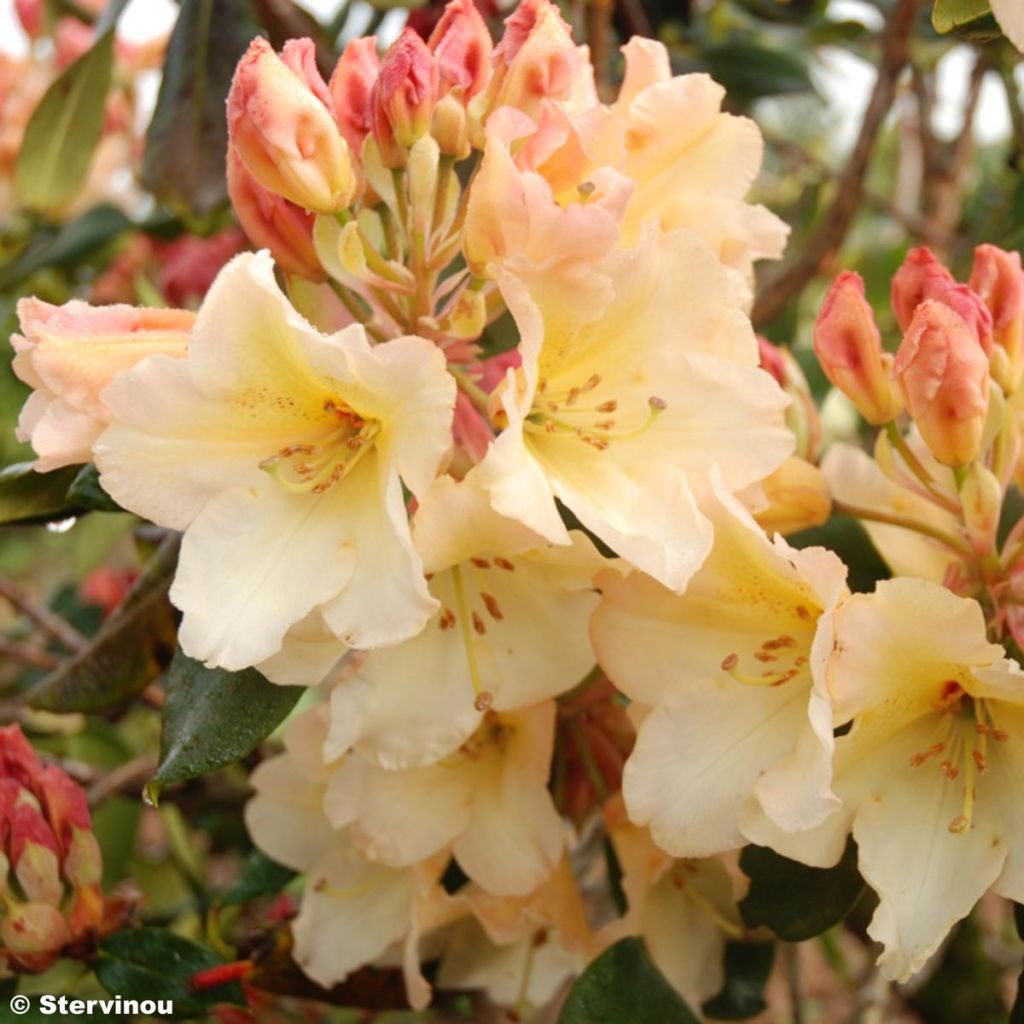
(880, 134)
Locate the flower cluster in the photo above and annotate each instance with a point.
(540, 587)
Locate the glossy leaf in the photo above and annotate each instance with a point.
(86, 492)
(130, 651)
(622, 986)
(950, 14)
(795, 901)
(65, 127)
(213, 718)
(747, 968)
(188, 136)
(30, 497)
(260, 876)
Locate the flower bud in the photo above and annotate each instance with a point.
(32, 935)
(403, 96)
(34, 856)
(981, 496)
(273, 223)
(998, 279)
(798, 497)
(30, 14)
(351, 88)
(915, 281)
(849, 348)
(462, 48)
(450, 127)
(282, 125)
(943, 374)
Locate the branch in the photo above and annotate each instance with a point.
(66, 635)
(822, 245)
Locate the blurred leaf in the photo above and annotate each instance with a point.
(74, 242)
(62, 133)
(115, 823)
(85, 491)
(213, 718)
(950, 14)
(30, 497)
(795, 901)
(747, 967)
(850, 541)
(622, 986)
(751, 72)
(285, 19)
(152, 963)
(188, 136)
(129, 652)
(260, 876)
(1017, 1011)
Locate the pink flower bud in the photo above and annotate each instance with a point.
(351, 89)
(772, 360)
(273, 223)
(64, 803)
(849, 348)
(32, 935)
(282, 125)
(462, 46)
(34, 856)
(797, 497)
(190, 264)
(915, 281)
(30, 14)
(943, 374)
(18, 760)
(998, 279)
(403, 96)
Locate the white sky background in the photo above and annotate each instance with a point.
(843, 80)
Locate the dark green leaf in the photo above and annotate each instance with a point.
(30, 497)
(152, 963)
(129, 652)
(850, 541)
(74, 242)
(62, 133)
(188, 136)
(115, 823)
(1017, 1012)
(213, 718)
(622, 986)
(260, 876)
(85, 491)
(797, 902)
(750, 72)
(950, 14)
(285, 19)
(747, 967)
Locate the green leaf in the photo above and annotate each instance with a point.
(115, 823)
(260, 876)
(130, 651)
(152, 963)
(795, 901)
(747, 967)
(213, 718)
(63, 130)
(950, 14)
(30, 497)
(622, 986)
(850, 541)
(86, 492)
(750, 72)
(188, 136)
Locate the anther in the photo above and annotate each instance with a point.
(484, 699)
(959, 825)
(730, 661)
(657, 403)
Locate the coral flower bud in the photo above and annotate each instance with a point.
(403, 96)
(33, 934)
(273, 223)
(282, 126)
(998, 279)
(798, 497)
(915, 281)
(943, 374)
(30, 14)
(462, 48)
(849, 348)
(351, 88)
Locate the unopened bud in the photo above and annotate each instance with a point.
(351, 88)
(849, 348)
(798, 497)
(915, 281)
(468, 316)
(282, 126)
(35, 859)
(981, 496)
(462, 47)
(33, 934)
(998, 279)
(943, 374)
(272, 222)
(403, 96)
(450, 127)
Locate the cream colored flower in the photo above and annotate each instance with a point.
(281, 453)
(741, 726)
(68, 354)
(621, 407)
(931, 772)
(1010, 15)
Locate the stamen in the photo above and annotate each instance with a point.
(493, 608)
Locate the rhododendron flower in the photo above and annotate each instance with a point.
(622, 406)
(68, 354)
(281, 453)
(741, 726)
(1010, 16)
(511, 630)
(930, 773)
